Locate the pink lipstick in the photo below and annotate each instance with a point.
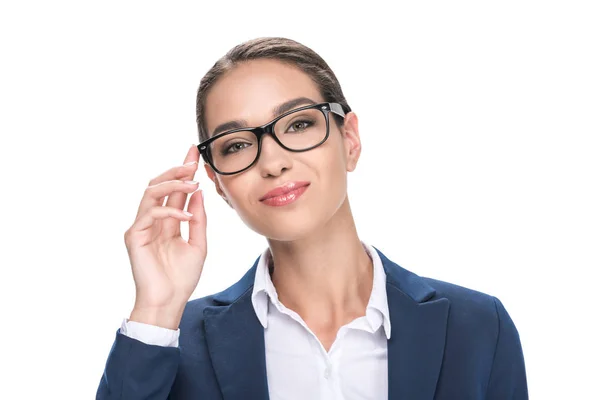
(285, 194)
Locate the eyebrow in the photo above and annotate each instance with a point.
(277, 110)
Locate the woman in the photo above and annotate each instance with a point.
(320, 315)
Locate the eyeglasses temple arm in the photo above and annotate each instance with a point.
(337, 108)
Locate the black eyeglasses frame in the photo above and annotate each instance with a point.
(268, 129)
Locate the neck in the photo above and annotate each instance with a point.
(327, 276)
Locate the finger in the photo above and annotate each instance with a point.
(147, 220)
(154, 195)
(177, 199)
(197, 231)
(175, 173)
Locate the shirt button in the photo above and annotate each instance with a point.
(327, 373)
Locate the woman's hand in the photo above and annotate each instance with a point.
(166, 268)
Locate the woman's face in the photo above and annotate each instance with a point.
(250, 92)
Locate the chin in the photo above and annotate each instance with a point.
(286, 227)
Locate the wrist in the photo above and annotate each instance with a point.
(164, 317)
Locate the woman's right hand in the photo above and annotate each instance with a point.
(166, 268)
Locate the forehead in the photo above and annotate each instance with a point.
(251, 90)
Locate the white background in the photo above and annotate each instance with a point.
(480, 124)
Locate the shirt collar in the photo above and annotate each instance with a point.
(377, 311)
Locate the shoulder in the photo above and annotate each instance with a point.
(467, 305)
(481, 340)
(473, 314)
(196, 309)
(461, 296)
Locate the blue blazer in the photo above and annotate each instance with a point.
(447, 342)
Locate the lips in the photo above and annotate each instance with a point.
(284, 189)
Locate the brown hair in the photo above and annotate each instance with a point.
(277, 48)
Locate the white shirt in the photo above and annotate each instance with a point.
(298, 367)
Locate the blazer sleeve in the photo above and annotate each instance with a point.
(508, 378)
(136, 370)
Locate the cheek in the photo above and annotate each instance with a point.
(240, 190)
(329, 167)
(235, 193)
(333, 159)
(229, 186)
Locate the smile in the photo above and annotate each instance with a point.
(285, 194)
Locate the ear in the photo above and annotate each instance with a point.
(351, 140)
(213, 177)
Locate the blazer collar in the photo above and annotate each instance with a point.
(235, 337)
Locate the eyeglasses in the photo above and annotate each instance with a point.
(298, 130)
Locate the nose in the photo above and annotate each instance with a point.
(273, 159)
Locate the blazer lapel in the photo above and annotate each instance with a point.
(236, 343)
(418, 336)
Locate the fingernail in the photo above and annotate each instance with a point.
(191, 182)
(190, 163)
(202, 193)
(189, 214)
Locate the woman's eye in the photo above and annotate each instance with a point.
(299, 126)
(235, 147)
